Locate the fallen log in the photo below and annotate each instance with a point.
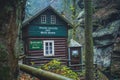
(39, 73)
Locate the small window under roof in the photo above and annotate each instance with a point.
(53, 19)
(43, 19)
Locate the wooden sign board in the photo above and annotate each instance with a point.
(35, 45)
(46, 31)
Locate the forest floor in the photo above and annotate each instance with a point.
(24, 76)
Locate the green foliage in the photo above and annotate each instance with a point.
(72, 8)
(56, 67)
(4, 68)
(3, 53)
(4, 72)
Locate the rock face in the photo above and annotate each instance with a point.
(106, 31)
(107, 17)
(115, 62)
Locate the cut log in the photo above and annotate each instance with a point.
(39, 73)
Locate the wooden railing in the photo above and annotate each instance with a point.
(39, 73)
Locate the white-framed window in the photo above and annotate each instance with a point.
(43, 19)
(53, 19)
(48, 47)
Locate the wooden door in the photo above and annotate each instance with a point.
(75, 57)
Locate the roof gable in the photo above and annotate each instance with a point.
(27, 21)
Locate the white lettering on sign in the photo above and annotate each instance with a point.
(53, 28)
(48, 30)
(51, 32)
(43, 28)
(43, 32)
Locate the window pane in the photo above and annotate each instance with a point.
(50, 44)
(51, 48)
(48, 48)
(53, 19)
(46, 44)
(51, 52)
(43, 18)
(46, 52)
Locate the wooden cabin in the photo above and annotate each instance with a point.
(45, 37)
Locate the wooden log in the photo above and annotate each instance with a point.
(39, 73)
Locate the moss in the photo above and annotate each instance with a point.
(4, 72)
(4, 68)
(3, 53)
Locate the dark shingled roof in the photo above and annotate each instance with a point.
(27, 21)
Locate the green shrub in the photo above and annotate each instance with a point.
(56, 67)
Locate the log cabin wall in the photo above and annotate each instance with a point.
(37, 56)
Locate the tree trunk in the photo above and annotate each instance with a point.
(73, 8)
(10, 20)
(74, 32)
(88, 40)
(74, 19)
(11, 38)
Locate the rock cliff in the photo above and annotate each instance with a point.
(106, 32)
